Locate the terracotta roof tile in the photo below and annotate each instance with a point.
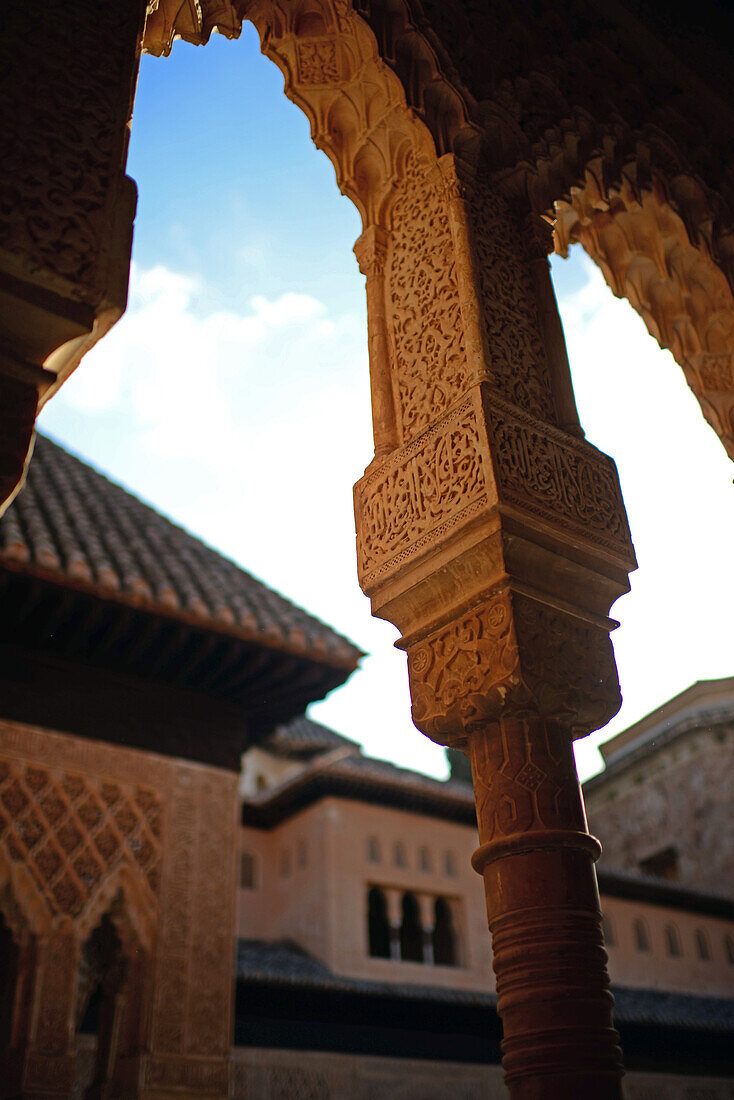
(75, 527)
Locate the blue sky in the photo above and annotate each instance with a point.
(234, 394)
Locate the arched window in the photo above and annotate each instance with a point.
(608, 928)
(449, 864)
(672, 941)
(411, 932)
(377, 924)
(247, 871)
(702, 945)
(398, 855)
(261, 783)
(444, 938)
(101, 979)
(642, 939)
(373, 850)
(424, 859)
(729, 948)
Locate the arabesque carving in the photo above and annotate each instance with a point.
(63, 239)
(84, 833)
(512, 654)
(405, 503)
(72, 832)
(517, 357)
(430, 363)
(646, 254)
(524, 780)
(563, 480)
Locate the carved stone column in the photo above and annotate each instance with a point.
(428, 925)
(370, 251)
(50, 1059)
(494, 537)
(66, 206)
(394, 900)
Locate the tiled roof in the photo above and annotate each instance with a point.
(72, 526)
(303, 737)
(285, 964)
(363, 779)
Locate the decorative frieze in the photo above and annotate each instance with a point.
(546, 472)
(482, 454)
(410, 501)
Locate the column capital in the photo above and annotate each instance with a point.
(371, 250)
(458, 176)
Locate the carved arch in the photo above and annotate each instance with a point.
(124, 899)
(376, 83)
(648, 255)
(367, 111)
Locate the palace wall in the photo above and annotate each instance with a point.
(88, 829)
(678, 797)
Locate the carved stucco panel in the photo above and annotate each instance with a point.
(422, 491)
(524, 780)
(429, 357)
(517, 358)
(512, 653)
(64, 115)
(547, 473)
(73, 831)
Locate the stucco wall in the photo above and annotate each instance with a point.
(678, 796)
(322, 905)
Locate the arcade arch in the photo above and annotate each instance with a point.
(489, 532)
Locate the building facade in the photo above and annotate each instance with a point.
(355, 886)
(160, 661)
(662, 804)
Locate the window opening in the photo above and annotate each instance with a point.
(411, 932)
(702, 946)
(377, 924)
(373, 850)
(672, 941)
(424, 860)
(663, 864)
(247, 871)
(444, 937)
(100, 999)
(449, 864)
(399, 858)
(729, 946)
(642, 939)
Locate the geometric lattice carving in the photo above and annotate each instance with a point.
(71, 831)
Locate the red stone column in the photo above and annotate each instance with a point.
(537, 860)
